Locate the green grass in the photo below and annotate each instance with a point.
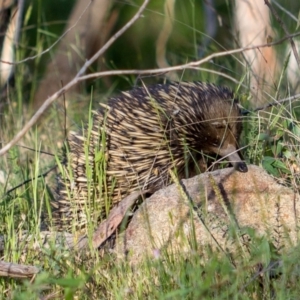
(198, 274)
(272, 141)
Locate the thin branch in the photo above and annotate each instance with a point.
(190, 65)
(112, 40)
(31, 179)
(56, 95)
(34, 150)
(277, 102)
(78, 78)
(274, 12)
(285, 10)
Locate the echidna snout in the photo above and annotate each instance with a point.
(231, 155)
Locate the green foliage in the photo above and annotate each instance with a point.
(272, 139)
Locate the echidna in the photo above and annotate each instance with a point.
(138, 137)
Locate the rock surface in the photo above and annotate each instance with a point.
(216, 209)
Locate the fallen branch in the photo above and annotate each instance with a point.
(115, 218)
(12, 270)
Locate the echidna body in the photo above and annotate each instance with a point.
(138, 137)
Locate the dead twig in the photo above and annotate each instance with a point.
(277, 102)
(80, 78)
(13, 270)
(116, 216)
(43, 175)
(56, 95)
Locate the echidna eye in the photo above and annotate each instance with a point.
(216, 144)
(219, 124)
